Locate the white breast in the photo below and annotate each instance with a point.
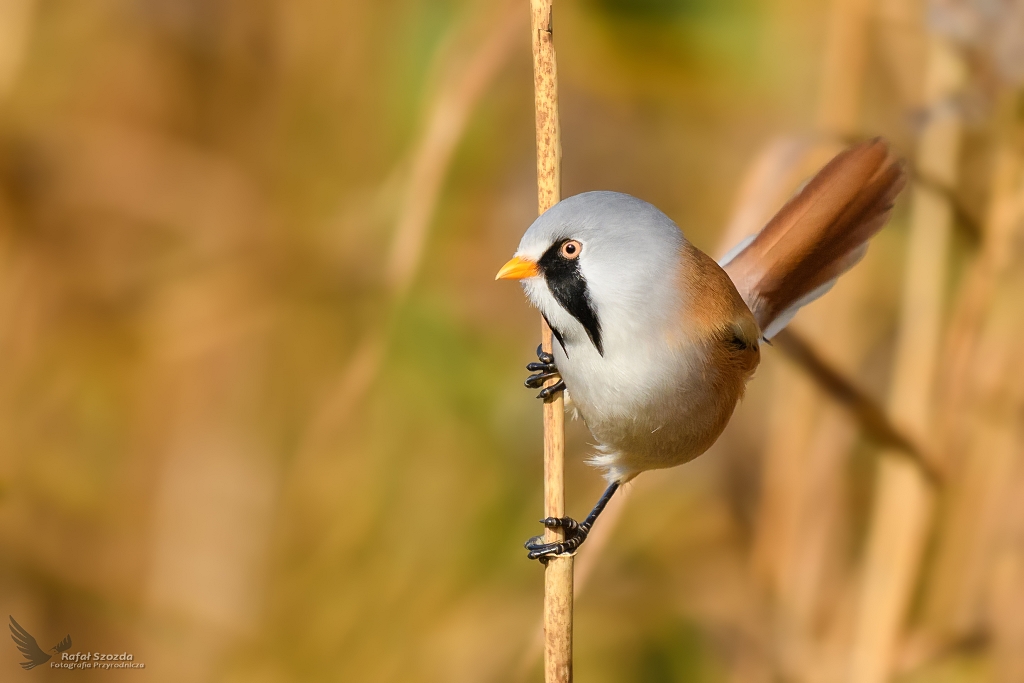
(644, 397)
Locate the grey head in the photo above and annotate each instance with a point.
(606, 267)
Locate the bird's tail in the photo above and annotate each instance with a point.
(818, 235)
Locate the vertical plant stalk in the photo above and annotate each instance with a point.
(844, 65)
(901, 516)
(17, 18)
(558, 570)
(800, 522)
(987, 437)
(463, 83)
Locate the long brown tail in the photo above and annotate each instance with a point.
(818, 235)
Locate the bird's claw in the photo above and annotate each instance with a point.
(568, 523)
(575, 534)
(544, 356)
(547, 392)
(536, 381)
(544, 370)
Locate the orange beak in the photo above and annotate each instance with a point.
(517, 269)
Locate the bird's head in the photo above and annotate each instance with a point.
(599, 264)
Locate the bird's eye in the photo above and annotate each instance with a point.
(571, 249)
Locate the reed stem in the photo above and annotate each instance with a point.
(558, 571)
(904, 505)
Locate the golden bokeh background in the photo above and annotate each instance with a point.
(261, 405)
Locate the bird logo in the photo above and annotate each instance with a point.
(34, 655)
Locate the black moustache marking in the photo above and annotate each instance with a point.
(569, 288)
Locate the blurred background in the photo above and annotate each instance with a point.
(261, 405)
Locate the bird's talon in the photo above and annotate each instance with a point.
(567, 523)
(545, 551)
(547, 392)
(575, 534)
(541, 367)
(544, 356)
(534, 381)
(534, 542)
(544, 370)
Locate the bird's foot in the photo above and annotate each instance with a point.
(575, 534)
(544, 370)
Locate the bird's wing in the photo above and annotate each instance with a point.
(818, 235)
(64, 644)
(27, 645)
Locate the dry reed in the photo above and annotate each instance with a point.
(464, 79)
(904, 500)
(558, 571)
(801, 523)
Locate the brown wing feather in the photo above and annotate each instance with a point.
(717, 317)
(820, 233)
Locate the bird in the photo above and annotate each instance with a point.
(27, 645)
(655, 341)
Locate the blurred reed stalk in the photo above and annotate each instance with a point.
(558, 571)
(998, 589)
(801, 521)
(902, 510)
(16, 19)
(464, 78)
(983, 401)
(1004, 593)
